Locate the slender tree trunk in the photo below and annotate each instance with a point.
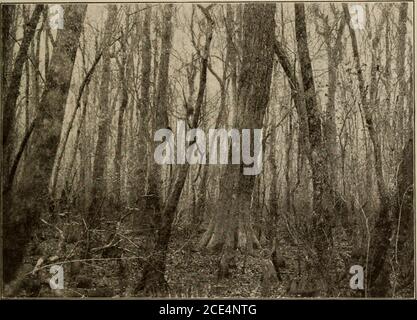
(47, 36)
(100, 156)
(153, 276)
(402, 89)
(272, 221)
(144, 193)
(13, 90)
(334, 55)
(410, 93)
(118, 158)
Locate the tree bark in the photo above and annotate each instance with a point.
(14, 83)
(404, 218)
(8, 14)
(144, 193)
(402, 90)
(153, 276)
(231, 228)
(321, 230)
(118, 157)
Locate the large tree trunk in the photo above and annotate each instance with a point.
(253, 97)
(20, 218)
(321, 230)
(231, 228)
(153, 276)
(7, 17)
(405, 222)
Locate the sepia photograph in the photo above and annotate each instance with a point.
(183, 150)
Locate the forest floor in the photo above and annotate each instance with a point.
(115, 270)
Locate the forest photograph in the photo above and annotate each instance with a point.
(258, 150)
